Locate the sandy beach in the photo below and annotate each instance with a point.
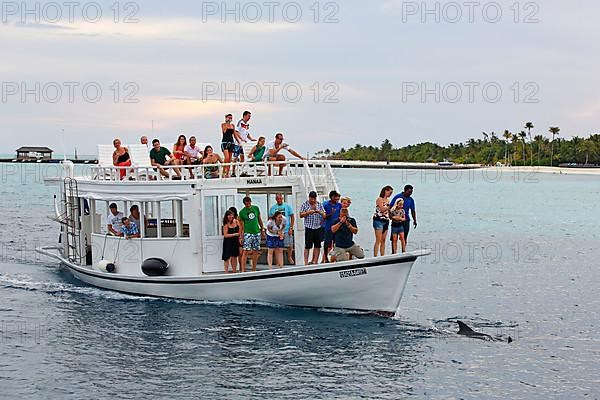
(409, 165)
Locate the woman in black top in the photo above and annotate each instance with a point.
(231, 242)
(228, 145)
(121, 157)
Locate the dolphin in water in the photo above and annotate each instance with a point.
(465, 330)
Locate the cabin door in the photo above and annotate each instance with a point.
(214, 205)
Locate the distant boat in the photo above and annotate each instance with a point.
(445, 163)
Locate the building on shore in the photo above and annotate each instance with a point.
(26, 153)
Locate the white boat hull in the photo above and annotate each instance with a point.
(368, 285)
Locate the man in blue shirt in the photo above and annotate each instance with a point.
(409, 204)
(332, 210)
(288, 212)
(129, 230)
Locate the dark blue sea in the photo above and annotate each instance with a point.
(515, 254)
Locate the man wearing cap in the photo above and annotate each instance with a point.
(114, 220)
(332, 210)
(312, 213)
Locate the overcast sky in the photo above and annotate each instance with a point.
(361, 68)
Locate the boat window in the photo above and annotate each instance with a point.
(215, 208)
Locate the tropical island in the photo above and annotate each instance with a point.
(517, 149)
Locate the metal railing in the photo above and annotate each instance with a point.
(310, 170)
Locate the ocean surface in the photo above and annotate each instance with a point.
(514, 255)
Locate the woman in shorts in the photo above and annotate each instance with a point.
(275, 235)
(381, 221)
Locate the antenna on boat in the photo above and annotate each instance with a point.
(63, 145)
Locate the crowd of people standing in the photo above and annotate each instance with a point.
(329, 229)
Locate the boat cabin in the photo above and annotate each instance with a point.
(180, 220)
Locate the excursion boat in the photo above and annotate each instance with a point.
(179, 252)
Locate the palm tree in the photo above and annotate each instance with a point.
(507, 135)
(539, 142)
(523, 136)
(554, 130)
(515, 140)
(529, 126)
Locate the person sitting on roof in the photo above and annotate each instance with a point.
(274, 148)
(121, 158)
(211, 159)
(258, 152)
(161, 156)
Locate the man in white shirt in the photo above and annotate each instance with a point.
(243, 127)
(274, 148)
(193, 155)
(113, 220)
(243, 130)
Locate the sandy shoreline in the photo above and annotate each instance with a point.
(515, 169)
(550, 170)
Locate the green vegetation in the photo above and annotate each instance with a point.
(511, 148)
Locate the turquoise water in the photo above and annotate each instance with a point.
(513, 255)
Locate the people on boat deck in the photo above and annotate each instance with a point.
(346, 201)
(313, 214)
(244, 136)
(211, 159)
(332, 209)
(409, 205)
(231, 241)
(144, 141)
(397, 217)
(114, 220)
(229, 141)
(259, 151)
(252, 230)
(135, 215)
(243, 127)
(179, 149)
(121, 157)
(129, 230)
(381, 220)
(161, 156)
(276, 228)
(345, 228)
(274, 148)
(288, 240)
(193, 153)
